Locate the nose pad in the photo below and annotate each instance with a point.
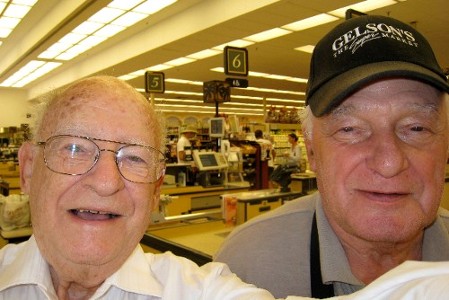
(115, 158)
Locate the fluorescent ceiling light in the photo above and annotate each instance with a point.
(277, 77)
(109, 30)
(13, 14)
(184, 93)
(179, 100)
(16, 11)
(204, 54)
(129, 19)
(179, 61)
(92, 41)
(267, 35)
(4, 32)
(235, 43)
(306, 48)
(310, 22)
(297, 79)
(7, 22)
(105, 23)
(152, 6)
(106, 15)
(32, 66)
(127, 77)
(247, 97)
(87, 27)
(159, 67)
(285, 100)
(364, 6)
(183, 81)
(72, 38)
(125, 5)
(24, 2)
(25, 74)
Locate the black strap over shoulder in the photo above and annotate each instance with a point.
(319, 289)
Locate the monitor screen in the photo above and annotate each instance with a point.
(208, 160)
(217, 127)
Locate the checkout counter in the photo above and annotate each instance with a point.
(193, 221)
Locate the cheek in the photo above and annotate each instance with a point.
(143, 198)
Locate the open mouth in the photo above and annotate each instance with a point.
(93, 215)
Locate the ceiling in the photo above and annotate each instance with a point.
(189, 26)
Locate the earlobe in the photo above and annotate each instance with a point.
(310, 155)
(25, 156)
(157, 194)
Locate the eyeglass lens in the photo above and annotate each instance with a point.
(74, 155)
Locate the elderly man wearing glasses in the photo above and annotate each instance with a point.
(93, 172)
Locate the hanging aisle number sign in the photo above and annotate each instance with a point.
(236, 61)
(154, 82)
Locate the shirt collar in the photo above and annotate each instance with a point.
(436, 248)
(134, 276)
(36, 271)
(335, 266)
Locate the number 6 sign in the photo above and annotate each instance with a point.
(236, 61)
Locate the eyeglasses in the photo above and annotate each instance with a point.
(77, 155)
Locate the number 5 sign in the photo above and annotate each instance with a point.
(236, 61)
(154, 82)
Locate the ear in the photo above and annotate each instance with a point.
(157, 194)
(26, 158)
(310, 154)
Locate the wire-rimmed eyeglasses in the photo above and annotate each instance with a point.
(77, 155)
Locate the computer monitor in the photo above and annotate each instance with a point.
(217, 127)
(209, 161)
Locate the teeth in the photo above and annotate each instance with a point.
(93, 211)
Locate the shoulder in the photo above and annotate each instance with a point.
(294, 210)
(8, 253)
(443, 214)
(182, 278)
(272, 228)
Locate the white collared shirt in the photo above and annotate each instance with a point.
(24, 274)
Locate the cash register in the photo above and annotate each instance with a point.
(211, 166)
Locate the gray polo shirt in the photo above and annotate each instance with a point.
(272, 251)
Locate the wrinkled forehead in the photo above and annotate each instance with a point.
(83, 105)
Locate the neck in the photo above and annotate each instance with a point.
(79, 285)
(373, 260)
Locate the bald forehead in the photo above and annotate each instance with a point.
(96, 93)
(106, 87)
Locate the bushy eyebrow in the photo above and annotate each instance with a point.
(427, 108)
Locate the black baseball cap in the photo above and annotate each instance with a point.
(363, 50)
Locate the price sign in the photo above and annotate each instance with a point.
(237, 82)
(154, 82)
(236, 61)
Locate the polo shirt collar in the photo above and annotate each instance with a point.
(334, 263)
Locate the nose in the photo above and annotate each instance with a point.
(106, 178)
(387, 155)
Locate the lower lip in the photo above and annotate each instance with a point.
(86, 216)
(384, 198)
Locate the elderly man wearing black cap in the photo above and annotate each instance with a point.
(377, 137)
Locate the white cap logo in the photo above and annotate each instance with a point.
(359, 36)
